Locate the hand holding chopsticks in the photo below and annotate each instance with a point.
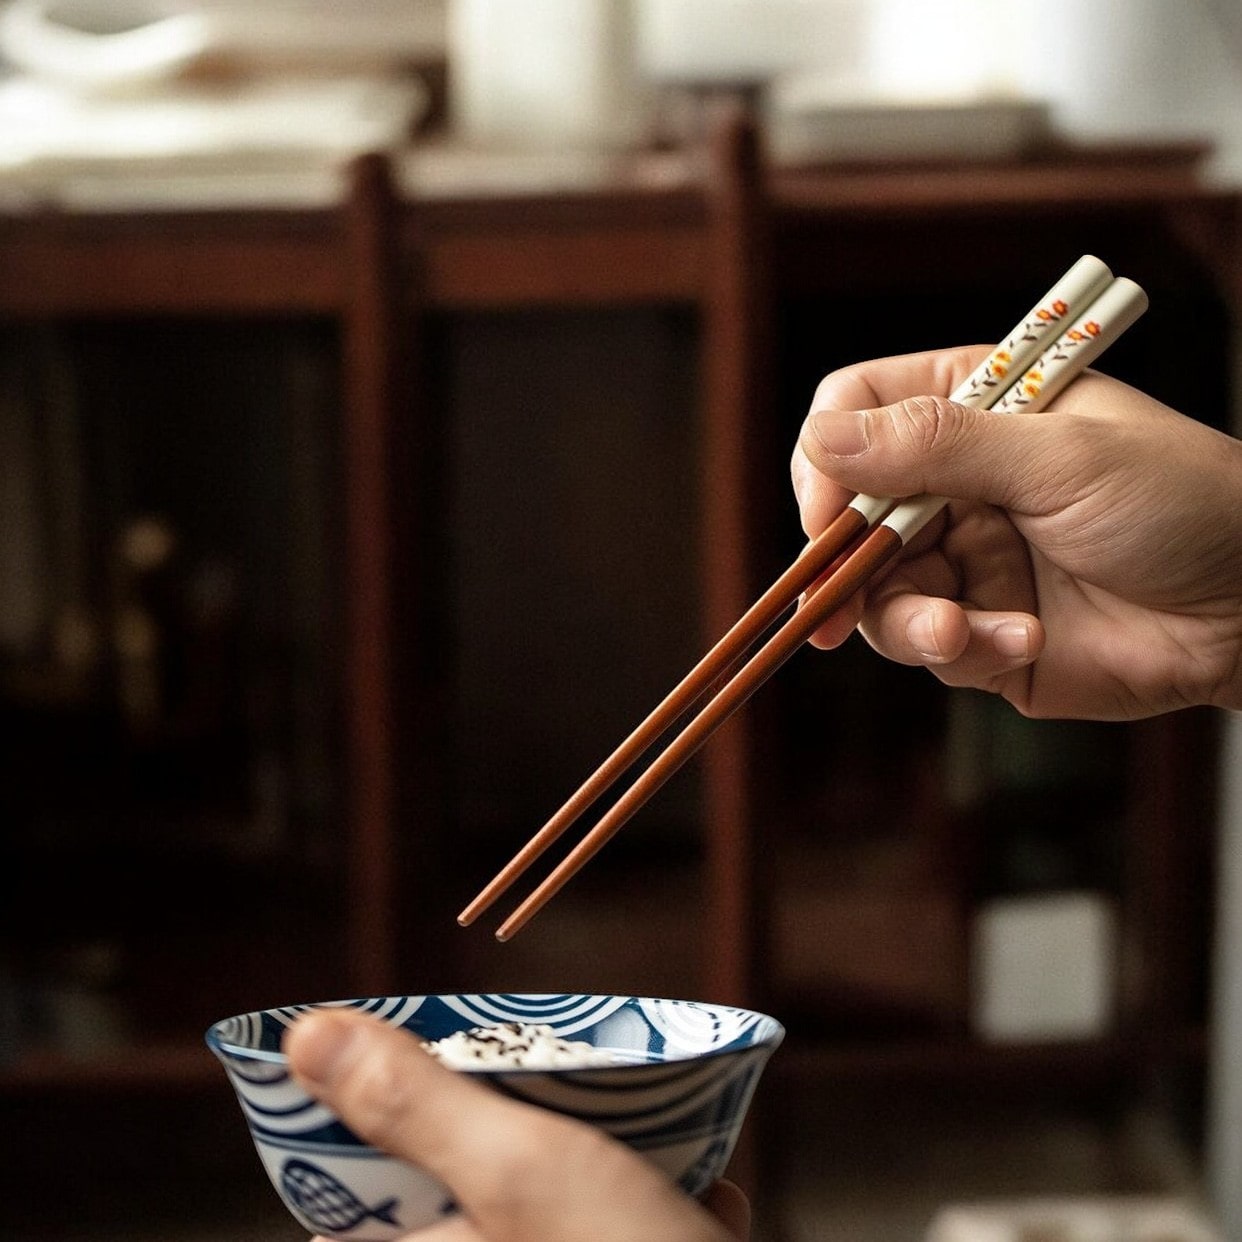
(1082, 314)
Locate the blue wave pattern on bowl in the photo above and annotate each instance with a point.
(685, 1076)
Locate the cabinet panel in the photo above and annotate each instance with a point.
(169, 678)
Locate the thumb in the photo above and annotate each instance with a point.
(933, 445)
(519, 1172)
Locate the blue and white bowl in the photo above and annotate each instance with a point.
(685, 1076)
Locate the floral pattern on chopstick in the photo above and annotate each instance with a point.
(992, 374)
(1031, 385)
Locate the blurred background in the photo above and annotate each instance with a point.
(396, 400)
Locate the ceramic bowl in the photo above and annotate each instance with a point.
(684, 1078)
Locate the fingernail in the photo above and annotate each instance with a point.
(322, 1046)
(1013, 640)
(843, 433)
(921, 632)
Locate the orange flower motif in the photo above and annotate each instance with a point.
(1043, 314)
(1060, 307)
(1002, 355)
(999, 369)
(1092, 327)
(1032, 382)
(1075, 335)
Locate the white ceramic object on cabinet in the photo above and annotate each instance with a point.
(545, 74)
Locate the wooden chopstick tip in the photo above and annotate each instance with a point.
(517, 920)
(479, 905)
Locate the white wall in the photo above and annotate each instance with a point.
(1224, 1148)
(1143, 68)
(1108, 68)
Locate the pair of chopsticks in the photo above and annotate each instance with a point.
(1082, 314)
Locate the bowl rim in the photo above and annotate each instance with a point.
(770, 1041)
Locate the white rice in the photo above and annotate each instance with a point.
(516, 1045)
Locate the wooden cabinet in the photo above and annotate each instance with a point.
(826, 870)
(184, 376)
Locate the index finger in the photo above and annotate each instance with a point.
(885, 381)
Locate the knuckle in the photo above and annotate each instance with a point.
(543, 1132)
(379, 1099)
(924, 424)
(825, 390)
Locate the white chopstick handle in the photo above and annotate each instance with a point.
(990, 381)
(1076, 348)
(1072, 352)
(872, 508)
(1066, 300)
(909, 517)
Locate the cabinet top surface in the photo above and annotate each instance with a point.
(439, 178)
